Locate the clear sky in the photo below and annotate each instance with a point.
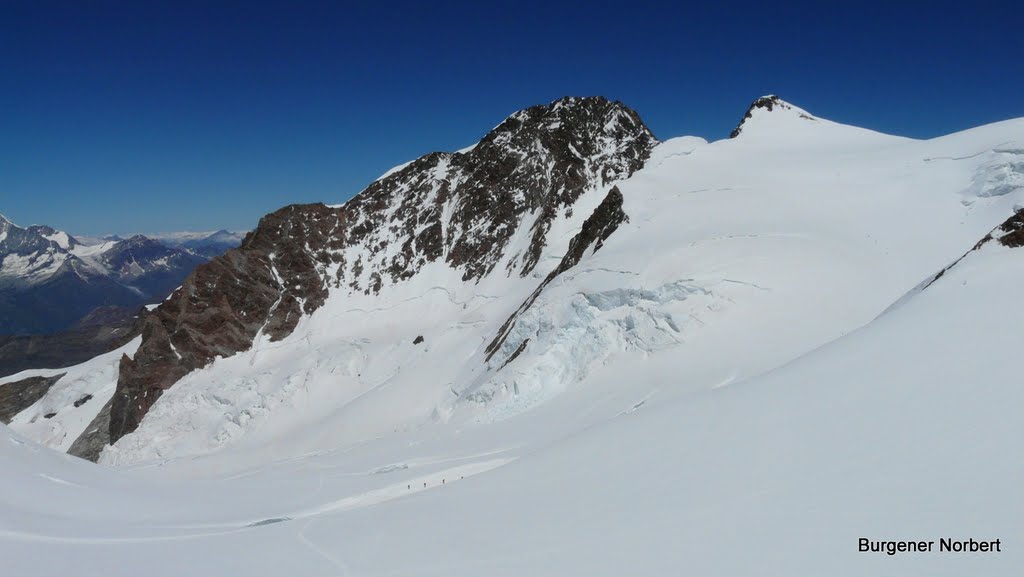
(156, 116)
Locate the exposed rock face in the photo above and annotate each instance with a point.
(597, 228)
(766, 102)
(1009, 234)
(17, 396)
(462, 209)
(90, 443)
(534, 164)
(1012, 230)
(266, 285)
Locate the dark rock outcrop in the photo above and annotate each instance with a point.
(605, 220)
(264, 286)
(766, 102)
(17, 396)
(458, 208)
(1009, 234)
(90, 443)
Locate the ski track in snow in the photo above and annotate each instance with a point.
(409, 487)
(436, 480)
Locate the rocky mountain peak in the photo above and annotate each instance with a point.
(138, 240)
(63, 239)
(462, 209)
(133, 249)
(585, 118)
(148, 265)
(28, 241)
(536, 162)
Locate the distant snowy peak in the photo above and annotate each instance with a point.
(31, 255)
(207, 244)
(139, 255)
(14, 238)
(137, 242)
(87, 240)
(225, 236)
(5, 225)
(182, 238)
(63, 239)
(59, 238)
(214, 244)
(769, 104)
(45, 286)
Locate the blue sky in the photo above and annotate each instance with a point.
(150, 116)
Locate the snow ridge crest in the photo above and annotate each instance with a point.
(767, 104)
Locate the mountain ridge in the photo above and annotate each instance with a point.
(527, 166)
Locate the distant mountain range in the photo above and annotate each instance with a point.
(208, 244)
(50, 280)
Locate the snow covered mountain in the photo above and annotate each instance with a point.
(148, 266)
(631, 356)
(50, 279)
(208, 244)
(45, 286)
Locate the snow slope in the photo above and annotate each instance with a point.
(781, 474)
(721, 389)
(73, 401)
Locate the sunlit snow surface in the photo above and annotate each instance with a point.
(711, 393)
